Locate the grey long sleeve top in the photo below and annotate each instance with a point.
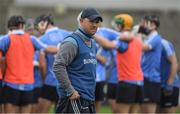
(66, 54)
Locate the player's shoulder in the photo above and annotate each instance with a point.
(71, 40)
(4, 37)
(167, 45)
(33, 37)
(43, 37)
(62, 30)
(158, 37)
(165, 42)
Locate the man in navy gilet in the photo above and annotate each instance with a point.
(75, 66)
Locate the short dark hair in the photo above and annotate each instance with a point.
(44, 17)
(155, 20)
(146, 17)
(15, 21)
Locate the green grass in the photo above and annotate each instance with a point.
(51, 110)
(105, 109)
(178, 110)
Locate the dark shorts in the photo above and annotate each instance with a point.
(111, 91)
(17, 97)
(1, 93)
(129, 93)
(65, 105)
(37, 93)
(171, 100)
(152, 92)
(99, 91)
(49, 93)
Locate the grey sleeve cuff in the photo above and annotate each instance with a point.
(64, 57)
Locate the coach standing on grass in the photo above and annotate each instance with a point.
(75, 66)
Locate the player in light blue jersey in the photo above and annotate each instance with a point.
(111, 70)
(39, 67)
(101, 57)
(169, 79)
(151, 64)
(52, 36)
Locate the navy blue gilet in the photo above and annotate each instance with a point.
(82, 70)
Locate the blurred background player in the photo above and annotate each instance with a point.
(151, 65)
(2, 72)
(111, 70)
(30, 27)
(39, 74)
(18, 79)
(140, 28)
(51, 35)
(39, 66)
(169, 79)
(1, 78)
(114, 43)
(101, 57)
(129, 94)
(124, 24)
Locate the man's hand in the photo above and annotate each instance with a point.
(126, 36)
(168, 90)
(75, 95)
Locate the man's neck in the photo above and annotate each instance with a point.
(50, 26)
(86, 38)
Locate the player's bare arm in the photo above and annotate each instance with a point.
(173, 70)
(104, 42)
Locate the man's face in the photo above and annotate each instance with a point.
(119, 27)
(117, 24)
(42, 26)
(150, 25)
(142, 22)
(90, 26)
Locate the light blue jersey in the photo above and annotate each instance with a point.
(100, 68)
(52, 36)
(1, 36)
(168, 50)
(37, 74)
(111, 68)
(111, 58)
(151, 59)
(108, 33)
